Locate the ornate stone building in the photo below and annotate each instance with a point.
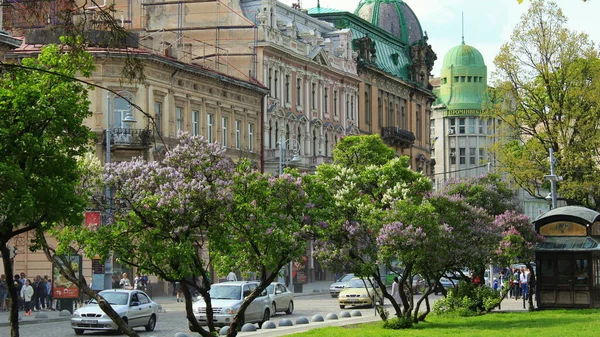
(394, 62)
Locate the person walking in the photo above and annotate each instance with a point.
(27, 293)
(125, 283)
(396, 291)
(525, 284)
(48, 298)
(3, 292)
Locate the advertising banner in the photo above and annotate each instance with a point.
(61, 287)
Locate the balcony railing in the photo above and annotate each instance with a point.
(129, 137)
(397, 137)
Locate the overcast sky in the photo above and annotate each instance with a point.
(487, 23)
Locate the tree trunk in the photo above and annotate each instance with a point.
(12, 290)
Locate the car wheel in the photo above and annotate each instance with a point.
(274, 308)
(342, 306)
(266, 317)
(290, 308)
(79, 331)
(151, 323)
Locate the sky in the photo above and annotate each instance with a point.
(488, 24)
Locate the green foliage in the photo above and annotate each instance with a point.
(552, 76)
(467, 300)
(398, 323)
(359, 151)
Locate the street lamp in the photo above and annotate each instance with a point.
(128, 120)
(295, 159)
(553, 179)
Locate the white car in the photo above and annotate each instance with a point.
(134, 307)
(282, 299)
(226, 299)
(335, 288)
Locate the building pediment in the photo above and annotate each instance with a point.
(319, 56)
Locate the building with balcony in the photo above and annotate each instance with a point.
(393, 62)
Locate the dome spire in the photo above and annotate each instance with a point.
(463, 28)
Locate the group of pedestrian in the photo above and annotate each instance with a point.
(33, 294)
(520, 281)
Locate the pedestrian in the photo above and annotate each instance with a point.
(137, 281)
(19, 286)
(115, 282)
(27, 294)
(3, 292)
(48, 298)
(525, 283)
(231, 276)
(517, 283)
(178, 292)
(396, 291)
(125, 283)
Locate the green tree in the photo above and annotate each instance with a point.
(359, 151)
(268, 225)
(41, 133)
(546, 96)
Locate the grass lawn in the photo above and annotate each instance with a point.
(578, 323)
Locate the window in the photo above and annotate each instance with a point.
(313, 97)
(238, 134)
(403, 121)
(179, 117)
(390, 121)
(210, 121)
(271, 80)
(352, 107)
(120, 109)
(251, 137)
(367, 109)
(287, 88)
(276, 83)
(490, 127)
(472, 155)
(419, 125)
(380, 110)
(335, 103)
(452, 156)
(461, 126)
(461, 156)
(224, 131)
(299, 92)
(326, 100)
(471, 125)
(481, 154)
(432, 130)
(158, 117)
(347, 106)
(480, 126)
(195, 123)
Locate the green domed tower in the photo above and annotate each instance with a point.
(463, 81)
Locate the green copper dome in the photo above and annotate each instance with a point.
(394, 16)
(463, 80)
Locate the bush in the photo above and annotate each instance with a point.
(398, 323)
(467, 300)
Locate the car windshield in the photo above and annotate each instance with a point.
(114, 297)
(225, 292)
(346, 278)
(357, 284)
(271, 289)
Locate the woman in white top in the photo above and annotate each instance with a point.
(396, 291)
(27, 295)
(125, 283)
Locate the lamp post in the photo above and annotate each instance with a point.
(128, 120)
(553, 179)
(295, 159)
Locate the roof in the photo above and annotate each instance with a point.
(578, 214)
(463, 55)
(394, 16)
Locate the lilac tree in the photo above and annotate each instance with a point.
(267, 225)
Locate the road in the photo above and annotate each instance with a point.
(174, 320)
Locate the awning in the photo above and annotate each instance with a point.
(562, 243)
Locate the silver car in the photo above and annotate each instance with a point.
(282, 299)
(335, 288)
(134, 307)
(226, 299)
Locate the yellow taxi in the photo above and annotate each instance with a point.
(360, 292)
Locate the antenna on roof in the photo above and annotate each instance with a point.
(318, 3)
(463, 27)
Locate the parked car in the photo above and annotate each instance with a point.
(134, 306)
(444, 282)
(359, 292)
(335, 288)
(282, 299)
(226, 299)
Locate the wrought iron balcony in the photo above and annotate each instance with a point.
(129, 137)
(397, 137)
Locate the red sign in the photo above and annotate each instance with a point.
(61, 287)
(92, 219)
